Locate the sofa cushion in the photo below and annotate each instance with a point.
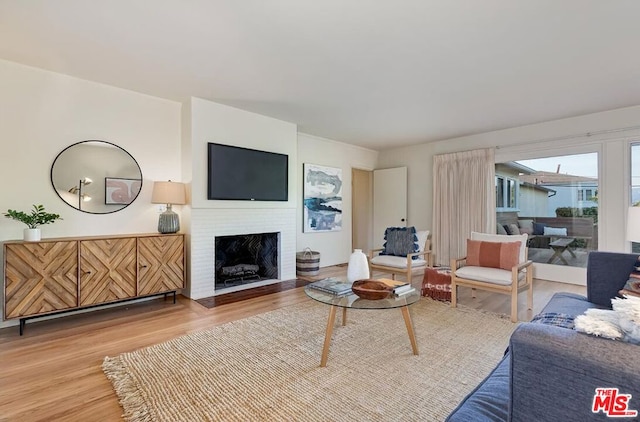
(607, 272)
(500, 229)
(538, 229)
(396, 261)
(489, 401)
(400, 241)
(490, 275)
(514, 229)
(554, 231)
(503, 255)
(526, 226)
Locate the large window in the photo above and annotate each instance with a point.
(635, 185)
(635, 174)
(555, 201)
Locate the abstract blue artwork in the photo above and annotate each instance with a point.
(322, 198)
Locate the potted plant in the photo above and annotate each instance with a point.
(37, 218)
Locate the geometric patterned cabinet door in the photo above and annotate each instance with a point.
(160, 264)
(107, 270)
(40, 277)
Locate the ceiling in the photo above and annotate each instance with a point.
(374, 73)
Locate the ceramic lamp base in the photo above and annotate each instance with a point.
(169, 222)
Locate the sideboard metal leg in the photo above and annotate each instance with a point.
(22, 323)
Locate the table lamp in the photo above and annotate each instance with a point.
(169, 193)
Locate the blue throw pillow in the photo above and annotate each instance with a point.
(400, 241)
(538, 228)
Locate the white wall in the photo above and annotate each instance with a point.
(545, 139)
(212, 122)
(419, 162)
(42, 112)
(334, 247)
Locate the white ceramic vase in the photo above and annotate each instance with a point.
(31, 235)
(358, 268)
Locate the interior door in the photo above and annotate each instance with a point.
(362, 209)
(389, 201)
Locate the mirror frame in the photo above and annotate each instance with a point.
(77, 207)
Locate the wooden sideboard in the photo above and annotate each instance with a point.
(64, 274)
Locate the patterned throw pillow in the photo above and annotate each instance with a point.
(502, 255)
(632, 287)
(555, 318)
(400, 241)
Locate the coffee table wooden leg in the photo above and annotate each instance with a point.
(327, 336)
(412, 335)
(344, 316)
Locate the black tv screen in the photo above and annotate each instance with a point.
(245, 174)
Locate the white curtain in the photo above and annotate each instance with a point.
(463, 200)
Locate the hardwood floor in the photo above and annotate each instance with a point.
(53, 372)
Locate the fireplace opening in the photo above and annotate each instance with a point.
(246, 258)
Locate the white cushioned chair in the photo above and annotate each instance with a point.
(486, 274)
(400, 264)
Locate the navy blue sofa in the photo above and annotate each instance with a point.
(550, 373)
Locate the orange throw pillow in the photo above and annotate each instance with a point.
(502, 255)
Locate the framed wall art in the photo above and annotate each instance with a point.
(322, 198)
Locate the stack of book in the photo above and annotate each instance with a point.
(332, 285)
(400, 288)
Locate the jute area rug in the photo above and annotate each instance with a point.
(266, 368)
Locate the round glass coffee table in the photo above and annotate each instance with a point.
(352, 301)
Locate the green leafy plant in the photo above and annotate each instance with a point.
(38, 217)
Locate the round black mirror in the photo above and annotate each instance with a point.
(96, 177)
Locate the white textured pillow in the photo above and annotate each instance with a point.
(555, 231)
(600, 323)
(422, 236)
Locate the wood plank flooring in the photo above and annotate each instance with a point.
(53, 372)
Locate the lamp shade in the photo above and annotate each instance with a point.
(168, 193)
(633, 224)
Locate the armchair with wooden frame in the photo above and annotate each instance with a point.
(485, 268)
(404, 265)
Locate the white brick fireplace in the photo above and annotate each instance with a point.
(207, 223)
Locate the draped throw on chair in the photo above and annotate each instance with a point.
(463, 200)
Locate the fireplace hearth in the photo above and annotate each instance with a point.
(246, 258)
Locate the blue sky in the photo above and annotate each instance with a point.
(576, 165)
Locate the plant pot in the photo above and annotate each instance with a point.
(32, 235)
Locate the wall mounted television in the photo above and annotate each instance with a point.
(244, 174)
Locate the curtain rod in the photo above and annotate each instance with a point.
(563, 138)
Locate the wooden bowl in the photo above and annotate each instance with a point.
(371, 289)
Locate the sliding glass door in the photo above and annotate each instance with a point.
(555, 201)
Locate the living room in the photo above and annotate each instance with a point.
(44, 109)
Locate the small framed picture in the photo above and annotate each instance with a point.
(119, 191)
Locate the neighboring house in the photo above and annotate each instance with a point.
(515, 195)
(569, 190)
